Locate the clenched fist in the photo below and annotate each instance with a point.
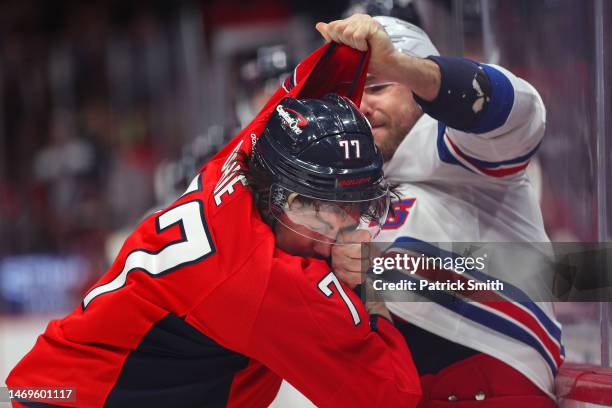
(346, 258)
(361, 31)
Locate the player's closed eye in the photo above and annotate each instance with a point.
(320, 225)
(378, 88)
(334, 219)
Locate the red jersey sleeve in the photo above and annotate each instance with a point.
(314, 331)
(294, 316)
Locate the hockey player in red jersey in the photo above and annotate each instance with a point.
(213, 299)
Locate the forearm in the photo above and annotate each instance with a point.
(450, 89)
(422, 76)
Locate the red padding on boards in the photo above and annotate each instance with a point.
(585, 383)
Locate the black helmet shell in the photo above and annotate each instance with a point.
(322, 148)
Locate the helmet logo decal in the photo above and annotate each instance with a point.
(353, 182)
(253, 142)
(294, 123)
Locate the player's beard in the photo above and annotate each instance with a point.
(389, 136)
(387, 139)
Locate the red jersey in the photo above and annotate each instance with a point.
(200, 309)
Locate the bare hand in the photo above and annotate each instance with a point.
(378, 308)
(374, 300)
(347, 258)
(361, 31)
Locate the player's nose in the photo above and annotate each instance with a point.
(366, 106)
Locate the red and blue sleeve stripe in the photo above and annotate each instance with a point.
(494, 117)
(513, 315)
(450, 153)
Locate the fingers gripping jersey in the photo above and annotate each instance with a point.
(201, 309)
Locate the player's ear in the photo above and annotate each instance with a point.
(293, 201)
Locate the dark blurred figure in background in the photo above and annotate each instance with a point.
(78, 108)
(260, 78)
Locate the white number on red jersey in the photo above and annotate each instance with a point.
(330, 279)
(195, 245)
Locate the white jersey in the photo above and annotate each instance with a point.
(472, 187)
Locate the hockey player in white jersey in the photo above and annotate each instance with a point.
(457, 136)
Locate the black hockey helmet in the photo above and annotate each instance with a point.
(323, 150)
